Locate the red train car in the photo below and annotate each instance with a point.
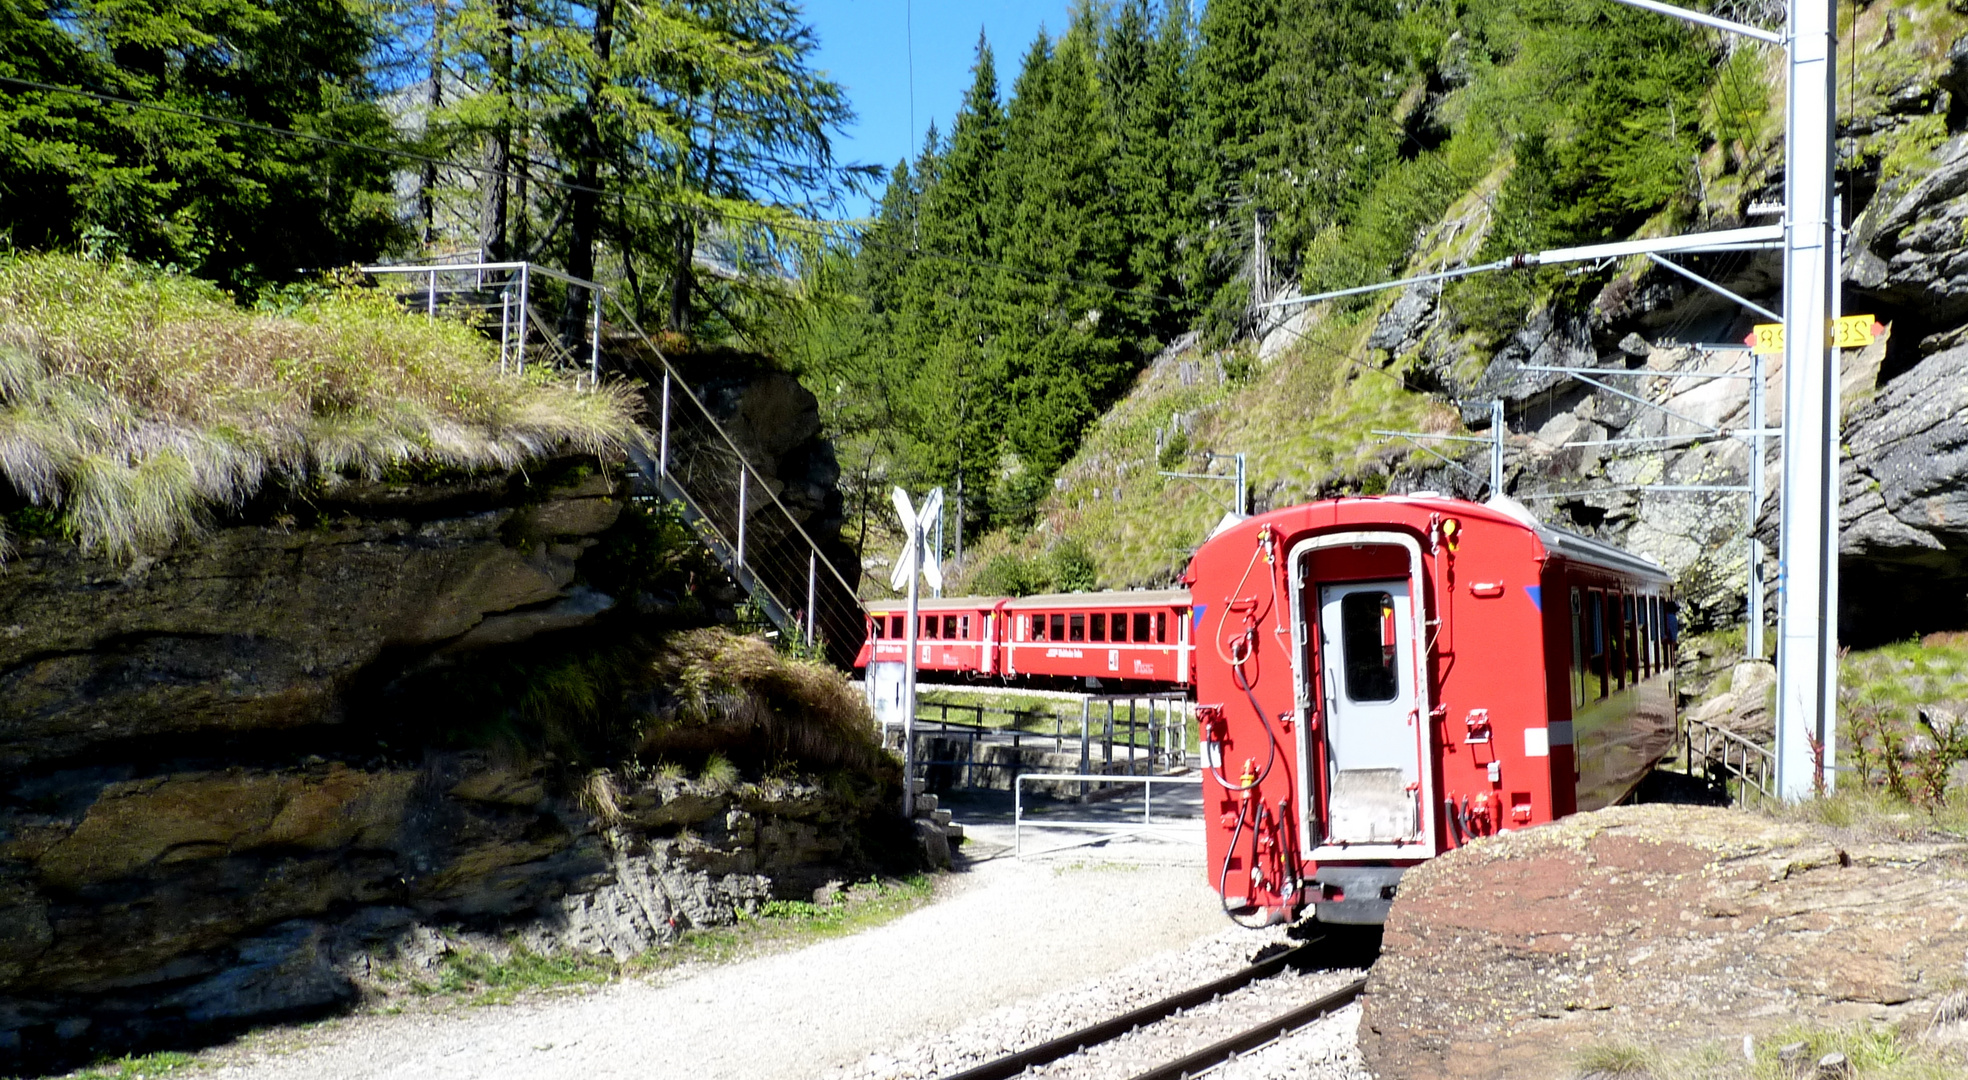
(959, 635)
(1127, 638)
(1115, 637)
(1380, 680)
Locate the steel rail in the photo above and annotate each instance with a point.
(1107, 1030)
(1253, 1037)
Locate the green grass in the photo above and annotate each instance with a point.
(1875, 1052)
(137, 404)
(138, 1067)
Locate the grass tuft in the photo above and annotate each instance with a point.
(138, 403)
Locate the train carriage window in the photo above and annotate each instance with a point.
(1578, 650)
(929, 626)
(963, 627)
(1076, 628)
(1098, 629)
(897, 627)
(1161, 627)
(949, 626)
(1630, 639)
(1058, 628)
(1366, 628)
(1141, 626)
(1615, 643)
(1038, 628)
(1595, 637)
(1120, 626)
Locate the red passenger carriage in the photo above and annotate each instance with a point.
(1381, 680)
(1114, 637)
(959, 635)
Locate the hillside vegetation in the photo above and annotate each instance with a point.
(136, 403)
(1002, 338)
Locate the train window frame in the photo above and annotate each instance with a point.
(1076, 626)
(1578, 649)
(950, 627)
(1038, 627)
(963, 627)
(1630, 637)
(1118, 627)
(929, 624)
(1143, 626)
(1097, 627)
(1161, 628)
(1371, 676)
(898, 626)
(1057, 626)
(1595, 625)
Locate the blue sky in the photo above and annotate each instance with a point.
(865, 45)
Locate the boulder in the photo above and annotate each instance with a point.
(1666, 927)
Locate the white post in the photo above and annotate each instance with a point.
(909, 690)
(1496, 448)
(1807, 550)
(1243, 488)
(663, 434)
(505, 325)
(594, 339)
(812, 581)
(937, 590)
(525, 313)
(430, 298)
(741, 514)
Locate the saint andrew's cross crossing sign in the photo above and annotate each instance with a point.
(918, 557)
(916, 554)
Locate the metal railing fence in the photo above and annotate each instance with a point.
(1148, 736)
(1108, 828)
(1723, 755)
(735, 509)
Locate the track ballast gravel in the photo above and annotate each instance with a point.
(1014, 952)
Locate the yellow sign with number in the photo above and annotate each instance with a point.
(1850, 332)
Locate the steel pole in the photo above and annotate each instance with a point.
(1806, 545)
(663, 434)
(1496, 448)
(741, 515)
(1243, 487)
(909, 685)
(812, 583)
(1759, 421)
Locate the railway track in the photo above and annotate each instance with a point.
(1158, 1026)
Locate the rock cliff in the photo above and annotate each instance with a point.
(238, 775)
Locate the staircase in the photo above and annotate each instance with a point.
(695, 463)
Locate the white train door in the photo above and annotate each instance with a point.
(1372, 714)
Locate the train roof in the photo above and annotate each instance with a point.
(1562, 543)
(1124, 598)
(935, 603)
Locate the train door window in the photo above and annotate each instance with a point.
(1366, 622)
(1141, 626)
(1098, 629)
(1648, 637)
(1161, 627)
(1058, 628)
(1076, 628)
(1119, 633)
(1595, 636)
(1578, 649)
(963, 627)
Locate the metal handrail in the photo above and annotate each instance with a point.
(1147, 782)
(1751, 764)
(667, 483)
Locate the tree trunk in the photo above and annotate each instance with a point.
(684, 244)
(584, 221)
(433, 100)
(498, 150)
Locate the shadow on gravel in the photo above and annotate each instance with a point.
(1680, 789)
(1337, 947)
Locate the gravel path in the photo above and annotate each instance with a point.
(1007, 931)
